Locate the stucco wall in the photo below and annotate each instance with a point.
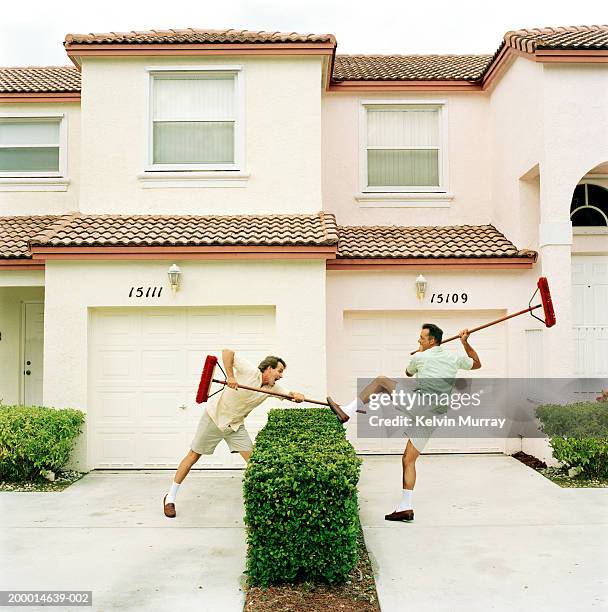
(283, 139)
(11, 299)
(468, 158)
(47, 202)
(297, 289)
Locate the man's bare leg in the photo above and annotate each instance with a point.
(410, 454)
(245, 455)
(185, 466)
(380, 384)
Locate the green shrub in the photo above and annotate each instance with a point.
(300, 491)
(33, 439)
(578, 434)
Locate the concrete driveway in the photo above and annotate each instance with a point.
(489, 534)
(107, 534)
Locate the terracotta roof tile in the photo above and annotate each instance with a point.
(426, 242)
(571, 37)
(242, 230)
(16, 231)
(410, 67)
(36, 79)
(196, 36)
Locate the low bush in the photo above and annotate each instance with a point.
(578, 434)
(34, 439)
(300, 491)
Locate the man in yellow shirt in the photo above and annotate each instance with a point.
(226, 420)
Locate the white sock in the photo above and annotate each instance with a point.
(406, 501)
(172, 493)
(352, 408)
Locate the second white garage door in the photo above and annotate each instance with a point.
(379, 342)
(145, 366)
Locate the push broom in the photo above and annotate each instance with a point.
(542, 287)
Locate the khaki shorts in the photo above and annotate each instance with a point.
(208, 436)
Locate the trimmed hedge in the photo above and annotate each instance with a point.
(300, 490)
(33, 439)
(578, 435)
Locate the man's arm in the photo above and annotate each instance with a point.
(470, 351)
(228, 359)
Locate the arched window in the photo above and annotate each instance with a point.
(589, 206)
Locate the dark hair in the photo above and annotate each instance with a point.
(434, 332)
(271, 361)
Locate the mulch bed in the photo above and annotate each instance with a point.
(559, 475)
(357, 594)
(529, 460)
(42, 485)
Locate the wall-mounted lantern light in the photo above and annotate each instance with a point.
(175, 275)
(420, 287)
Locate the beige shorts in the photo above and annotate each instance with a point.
(208, 436)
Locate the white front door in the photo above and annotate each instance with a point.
(379, 342)
(590, 315)
(145, 366)
(33, 350)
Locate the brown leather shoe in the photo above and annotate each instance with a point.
(342, 416)
(404, 515)
(169, 508)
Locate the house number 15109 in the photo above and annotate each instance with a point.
(440, 298)
(140, 292)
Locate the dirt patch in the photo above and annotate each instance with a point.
(529, 460)
(357, 594)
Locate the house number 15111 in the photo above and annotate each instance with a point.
(140, 292)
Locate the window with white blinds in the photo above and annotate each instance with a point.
(30, 146)
(403, 148)
(194, 121)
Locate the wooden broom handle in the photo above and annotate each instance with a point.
(515, 314)
(283, 395)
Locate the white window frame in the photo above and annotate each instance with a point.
(239, 127)
(590, 229)
(441, 106)
(63, 143)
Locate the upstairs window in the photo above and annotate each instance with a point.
(31, 147)
(195, 121)
(404, 147)
(589, 206)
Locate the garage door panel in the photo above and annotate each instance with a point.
(118, 408)
(163, 329)
(116, 449)
(145, 368)
(116, 366)
(164, 366)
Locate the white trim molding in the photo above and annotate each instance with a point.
(34, 184)
(404, 200)
(167, 180)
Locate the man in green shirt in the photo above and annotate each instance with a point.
(436, 370)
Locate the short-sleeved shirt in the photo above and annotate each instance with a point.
(439, 365)
(235, 404)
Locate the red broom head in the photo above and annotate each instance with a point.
(206, 379)
(545, 296)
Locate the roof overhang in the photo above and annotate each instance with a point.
(76, 51)
(21, 264)
(59, 97)
(47, 253)
(445, 263)
(431, 85)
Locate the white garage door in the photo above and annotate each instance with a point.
(145, 366)
(380, 342)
